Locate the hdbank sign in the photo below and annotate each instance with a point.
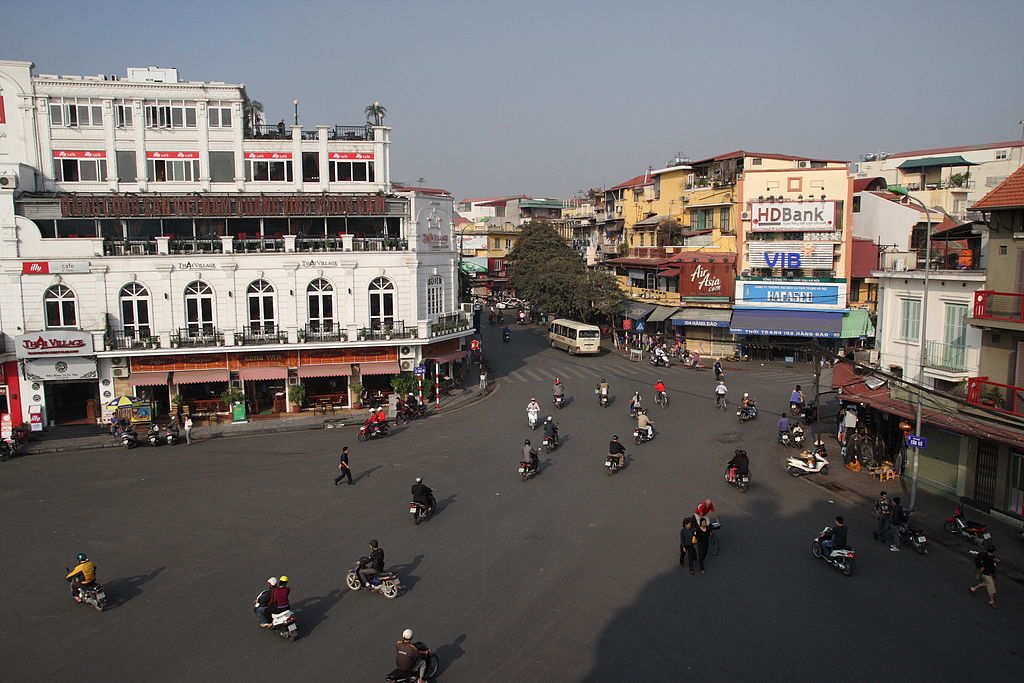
(822, 295)
(792, 216)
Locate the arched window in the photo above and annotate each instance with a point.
(382, 303)
(61, 307)
(199, 308)
(135, 311)
(260, 298)
(320, 300)
(435, 296)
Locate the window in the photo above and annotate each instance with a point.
(910, 320)
(73, 112)
(260, 299)
(855, 285)
(856, 204)
(80, 170)
(127, 171)
(171, 114)
(219, 114)
(122, 114)
(135, 311)
(756, 161)
(723, 218)
(955, 332)
(1002, 154)
(222, 167)
(382, 303)
(268, 171)
(435, 296)
(351, 171)
(60, 307)
(173, 170)
(650, 281)
(320, 298)
(199, 308)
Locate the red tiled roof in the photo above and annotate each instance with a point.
(1008, 194)
(477, 201)
(639, 181)
(744, 153)
(948, 150)
(862, 184)
(459, 220)
(423, 190)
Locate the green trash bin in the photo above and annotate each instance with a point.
(238, 411)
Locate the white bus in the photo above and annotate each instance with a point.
(574, 337)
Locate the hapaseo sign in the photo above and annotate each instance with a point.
(53, 343)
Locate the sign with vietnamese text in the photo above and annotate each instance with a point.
(58, 267)
(53, 343)
(470, 243)
(811, 295)
(219, 206)
(792, 216)
(6, 427)
(59, 368)
(917, 441)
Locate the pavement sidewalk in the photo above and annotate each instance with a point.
(88, 438)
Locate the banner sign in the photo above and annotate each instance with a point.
(792, 294)
(280, 156)
(219, 206)
(53, 343)
(792, 216)
(360, 156)
(472, 242)
(60, 368)
(48, 267)
(791, 255)
(172, 155)
(78, 154)
(706, 279)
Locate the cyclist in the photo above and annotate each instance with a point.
(660, 391)
(720, 392)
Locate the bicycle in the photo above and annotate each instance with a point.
(662, 399)
(721, 402)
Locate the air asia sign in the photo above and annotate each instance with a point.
(53, 343)
(792, 216)
(790, 255)
(706, 278)
(219, 206)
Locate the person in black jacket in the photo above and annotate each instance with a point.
(617, 450)
(688, 542)
(374, 563)
(897, 517)
(423, 494)
(837, 539)
(346, 471)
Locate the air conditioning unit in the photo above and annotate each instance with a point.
(118, 362)
(899, 264)
(745, 216)
(407, 353)
(407, 365)
(467, 308)
(803, 164)
(120, 372)
(685, 198)
(8, 181)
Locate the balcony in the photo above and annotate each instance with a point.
(250, 245)
(125, 340)
(380, 244)
(1000, 306)
(1002, 397)
(945, 357)
(270, 131)
(256, 334)
(323, 332)
(195, 336)
(129, 247)
(200, 245)
(449, 323)
(395, 329)
(656, 296)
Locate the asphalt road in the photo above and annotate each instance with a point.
(572, 576)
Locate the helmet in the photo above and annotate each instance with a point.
(283, 579)
(407, 634)
(547, 419)
(527, 443)
(745, 394)
(558, 381)
(602, 380)
(740, 451)
(615, 437)
(990, 549)
(721, 382)
(533, 399)
(82, 557)
(419, 480)
(373, 542)
(272, 580)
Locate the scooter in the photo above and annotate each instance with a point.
(129, 438)
(808, 462)
(282, 623)
(9, 448)
(400, 676)
(612, 464)
(506, 336)
(602, 398)
(550, 444)
(171, 436)
(526, 469)
(797, 440)
(810, 413)
(419, 512)
(973, 531)
(153, 436)
(558, 400)
(92, 594)
(641, 435)
(385, 583)
(841, 557)
(914, 535)
(660, 361)
(373, 430)
(785, 438)
(746, 413)
(741, 481)
(531, 417)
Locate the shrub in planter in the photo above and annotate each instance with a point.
(297, 395)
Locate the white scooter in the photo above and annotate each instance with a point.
(808, 462)
(531, 416)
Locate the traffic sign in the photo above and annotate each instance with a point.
(917, 441)
(420, 370)
(641, 326)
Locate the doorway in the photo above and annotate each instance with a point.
(69, 403)
(265, 396)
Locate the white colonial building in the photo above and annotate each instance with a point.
(157, 239)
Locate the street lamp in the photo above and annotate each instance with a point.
(902, 191)
(296, 104)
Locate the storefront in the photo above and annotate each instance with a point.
(263, 377)
(705, 330)
(775, 317)
(706, 284)
(199, 378)
(59, 369)
(446, 359)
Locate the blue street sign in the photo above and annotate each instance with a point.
(917, 441)
(420, 370)
(640, 326)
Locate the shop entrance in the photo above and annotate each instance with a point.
(265, 396)
(158, 396)
(70, 403)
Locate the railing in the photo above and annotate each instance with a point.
(198, 245)
(393, 330)
(448, 323)
(323, 332)
(260, 334)
(945, 357)
(257, 244)
(350, 133)
(319, 244)
(380, 244)
(125, 340)
(269, 131)
(992, 305)
(129, 247)
(1005, 398)
(655, 295)
(281, 131)
(197, 336)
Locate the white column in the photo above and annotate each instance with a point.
(203, 123)
(108, 143)
(297, 158)
(325, 176)
(141, 166)
(45, 145)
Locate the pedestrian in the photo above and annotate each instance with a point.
(703, 536)
(840, 423)
(483, 378)
(897, 518)
(883, 511)
(688, 542)
(986, 575)
(346, 471)
(188, 430)
(850, 421)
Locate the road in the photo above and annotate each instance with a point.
(572, 576)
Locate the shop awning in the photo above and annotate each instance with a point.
(636, 310)
(200, 376)
(669, 272)
(326, 370)
(857, 324)
(651, 221)
(782, 323)
(388, 368)
(703, 317)
(276, 372)
(662, 313)
(932, 162)
(449, 357)
(148, 379)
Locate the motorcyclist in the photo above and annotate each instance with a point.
(423, 494)
(84, 574)
(659, 388)
(410, 401)
(506, 333)
(529, 455)
(551, 430)
(617, 450)
(746, 402)
(783, 424)
(602, 390)
(558, 391)
(374, 563)
(660, 356)
(644, 422)
(278, 599)
(837, 538)
(532, 407)
(635, 404)
(796, 400)
(408, 658)
(739, 464)
(263, 601)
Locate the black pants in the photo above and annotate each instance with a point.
(345, 472)
(702, 552)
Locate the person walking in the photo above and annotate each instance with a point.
(188, 430)
(883, 512)
(346, 471)
(986, 574)
(688, 542)
(703, 535)
(897, 517)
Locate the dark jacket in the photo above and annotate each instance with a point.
(264, 598)
(421, 494)
(702, 536)
(839, 535)
(686, 536)
(615, 447)
(406, 656)
(550, 430)
(741, 463)
(376, 560)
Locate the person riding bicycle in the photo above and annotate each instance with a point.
(705, 508)
(408, 657)
(529, 455)
(739, 464)
(659, 388)
(644, 422)
(617, 450)
(720, 392)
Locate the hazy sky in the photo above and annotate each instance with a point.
(546, 98)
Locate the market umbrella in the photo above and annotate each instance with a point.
(123, 402)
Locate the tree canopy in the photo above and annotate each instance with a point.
(548, 273)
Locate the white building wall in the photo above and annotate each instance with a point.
(885, 222)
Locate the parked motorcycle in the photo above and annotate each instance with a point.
(748, 412)
(93, 594)
(550, 444)
(558, 400)
(742, 481)
(171, 436)
(385, 583)
(841, 557)
(972, 531)
(808, 462)
(409, 414)
(531, 417)
(914, 535)
(612, 464)
(641, 435)
(373, 430)
(526, 469)
(282, 623)
(9, 449)
(129, 438)
(419, 511)
(153, 436)
(400, 676)
(810, 413)
(660, 361)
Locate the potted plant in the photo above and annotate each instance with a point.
(387, 332)
(177, 401)
(297, 396)
(361, 334)
(356, 390)
(301, 335)
(230, 396)
(239, 338)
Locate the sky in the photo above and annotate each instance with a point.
(549, 98)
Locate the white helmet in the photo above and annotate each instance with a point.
(407, 634)
(272, 580)
(419, 480)
(745, 394)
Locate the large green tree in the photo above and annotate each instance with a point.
(549, 274)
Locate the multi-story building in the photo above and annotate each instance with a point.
(162, 243)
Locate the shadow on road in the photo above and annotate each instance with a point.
(312, 612)
(443, 504)
(120, 591)
(366, 473)
(446, 654)
(405, 572)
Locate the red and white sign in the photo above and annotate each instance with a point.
(362, 156)
(793, 216)
(6, 426)
(78, 154)
(53, 342)
(270, 156)
(47, 267)
(172, 155)
(3, 117)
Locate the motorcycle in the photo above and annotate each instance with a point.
(808, 462)
(972, 531)
(641, 435)
(660, 361)
(602, 398)
(841, 557)
(129, 438)
(409, 414)
(797, 440)
(741, 481)
(505, 337)
(373, 430)
(558, 400)
(93, 594)
(810, 413)
(550, 444)
(282, 623)
(785, 438)
(9, 449)
(419, 512)
(914, 535)
(612, 464)
(400, 676)
(526, 469)
(746, 413)
(385, 583)
(531, 417)
(171, 436)
(153, 436)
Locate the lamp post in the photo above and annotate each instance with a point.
(922, 356)
(295, 103)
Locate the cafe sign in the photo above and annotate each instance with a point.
(219, 206)
(53, 267)
(53, 343)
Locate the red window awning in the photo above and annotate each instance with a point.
(326, 370)
(276, 372)
(148, 379)
(387, 368)
(200, 376)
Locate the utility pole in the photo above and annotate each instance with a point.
(815, 348)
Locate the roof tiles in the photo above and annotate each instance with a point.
(1008, 194)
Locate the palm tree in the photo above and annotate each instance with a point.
(256, 113)
(376, 112)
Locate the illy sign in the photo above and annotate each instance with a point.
(53, 343)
